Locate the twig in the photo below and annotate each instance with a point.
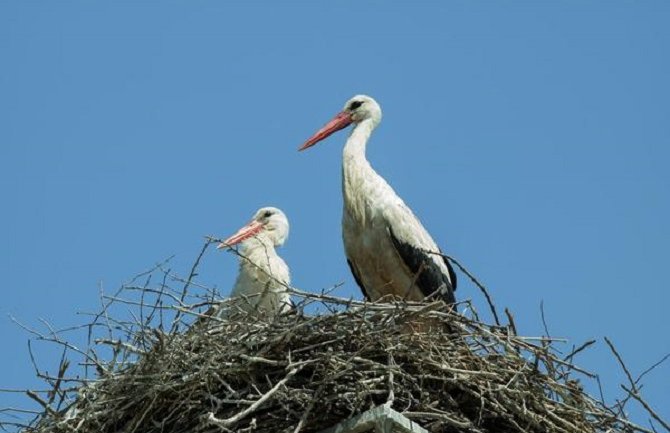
(661, 361)
(622, 364)
(232, 420)
(649, 409)
(391, 397)
(544, 319)
(191, 275)
(510, 318)
(41, 401)
(571, 355)
(472, 278)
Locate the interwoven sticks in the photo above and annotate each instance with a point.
(304, 373)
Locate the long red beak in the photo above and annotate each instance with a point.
(342, 120)
(245, 232)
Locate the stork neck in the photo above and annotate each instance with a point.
(260, 241)
(354, 150)
(357, 174)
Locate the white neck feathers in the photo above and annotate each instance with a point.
(354, 149)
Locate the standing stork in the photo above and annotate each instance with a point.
(387, 248)
(262, 283)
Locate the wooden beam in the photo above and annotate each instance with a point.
(381, 419)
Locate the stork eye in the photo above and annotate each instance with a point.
(354, 105)
(267, 214)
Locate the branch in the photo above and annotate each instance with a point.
(651, 411)
(191, 275)
(474, 280)
(224, 423)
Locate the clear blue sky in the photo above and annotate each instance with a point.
(531, 138)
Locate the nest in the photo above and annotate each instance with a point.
(304, 373)
(309, 369)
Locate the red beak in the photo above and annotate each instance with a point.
(342, 120)
(245, 232)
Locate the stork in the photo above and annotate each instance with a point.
(262, 283)
(390, 253)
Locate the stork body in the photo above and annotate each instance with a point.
(387, 247)
(263, 279)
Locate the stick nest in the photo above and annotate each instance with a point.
(302, 372)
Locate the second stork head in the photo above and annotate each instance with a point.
(268, 225)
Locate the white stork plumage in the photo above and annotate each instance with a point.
(385, 244)
(263, 279)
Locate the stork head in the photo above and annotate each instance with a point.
(358, 109)
(268, 223)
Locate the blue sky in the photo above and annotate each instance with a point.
(531, 138)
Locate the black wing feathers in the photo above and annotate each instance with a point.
(357, 277)
(452, 274)
(431, 278)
